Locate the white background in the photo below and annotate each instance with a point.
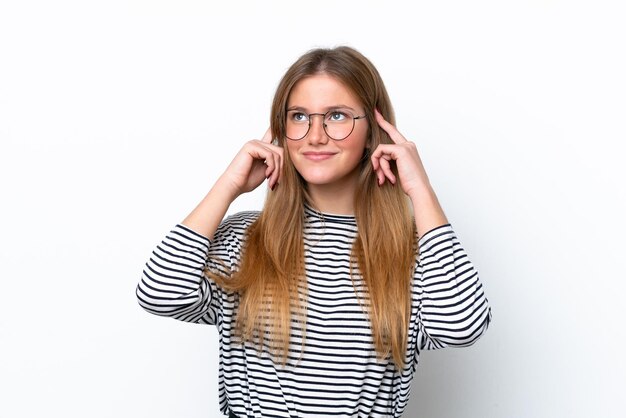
(117, 116)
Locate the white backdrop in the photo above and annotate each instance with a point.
(117, 116)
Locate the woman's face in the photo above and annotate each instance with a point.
(320, 160)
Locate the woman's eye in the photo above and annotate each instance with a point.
(337, 116)
(298, 117)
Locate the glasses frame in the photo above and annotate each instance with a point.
(309, 115)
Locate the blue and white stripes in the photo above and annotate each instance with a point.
(336, 371)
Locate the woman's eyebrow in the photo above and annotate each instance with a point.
(324, 109)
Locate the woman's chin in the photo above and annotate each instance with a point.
(317, 180)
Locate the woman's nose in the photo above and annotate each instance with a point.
(317, 134)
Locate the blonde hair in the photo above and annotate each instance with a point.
(271, 279)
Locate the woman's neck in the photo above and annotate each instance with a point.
(336, 198)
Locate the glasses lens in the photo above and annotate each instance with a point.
(297, 124)
(339, 124)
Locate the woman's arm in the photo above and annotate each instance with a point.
(453, 308)
(413, 178)
(256, 161)
(173, 282)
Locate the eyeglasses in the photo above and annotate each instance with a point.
(338, 123)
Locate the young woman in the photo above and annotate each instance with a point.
(324, 299)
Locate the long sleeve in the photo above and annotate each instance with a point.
(173, 282)
(453, 308)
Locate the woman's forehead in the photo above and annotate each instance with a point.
(321, 91)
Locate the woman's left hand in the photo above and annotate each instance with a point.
(413, 178)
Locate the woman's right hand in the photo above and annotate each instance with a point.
(256, 161)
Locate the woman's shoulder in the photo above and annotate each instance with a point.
(238, 222)
(243, 216)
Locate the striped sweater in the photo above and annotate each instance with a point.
(336, 372)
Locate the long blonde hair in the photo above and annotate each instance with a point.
(271, 280)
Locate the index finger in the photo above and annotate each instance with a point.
(394, 134)
(267, 137)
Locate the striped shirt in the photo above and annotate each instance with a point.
(336, 372)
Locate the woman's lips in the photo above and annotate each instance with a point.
(318, 156)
